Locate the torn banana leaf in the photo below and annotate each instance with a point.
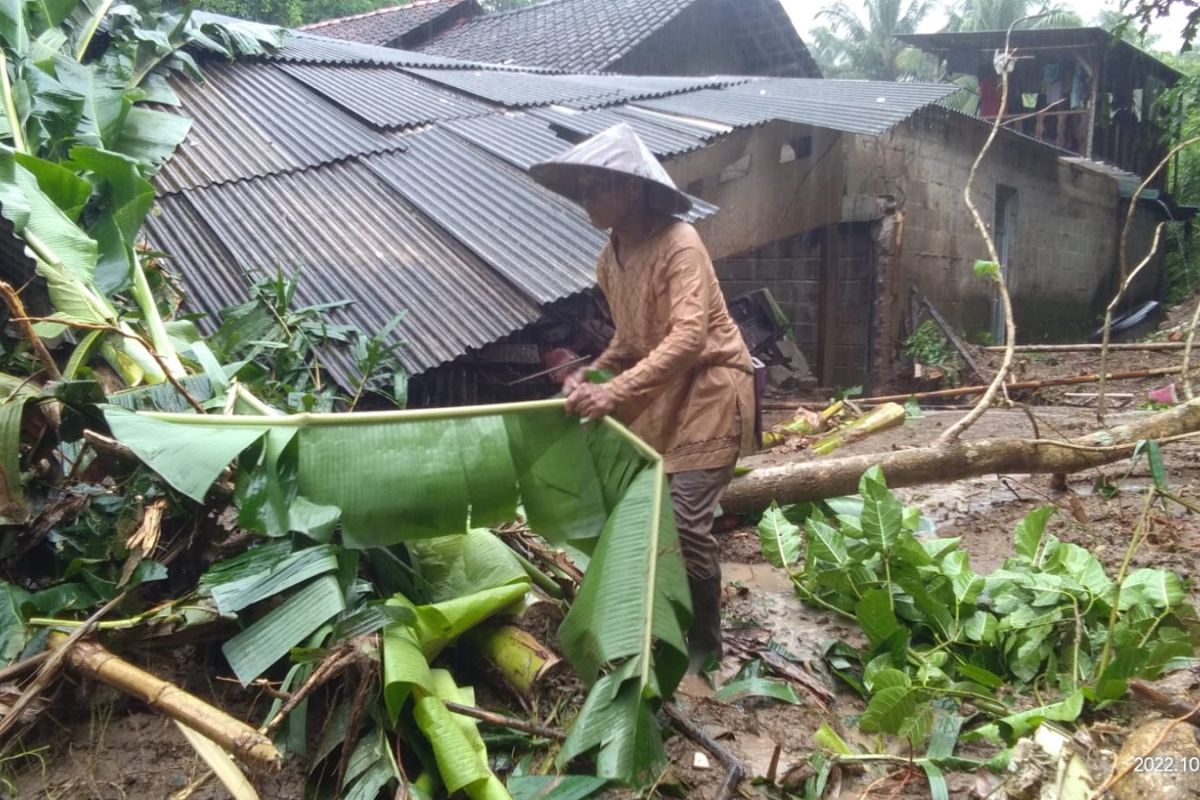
(412, 475)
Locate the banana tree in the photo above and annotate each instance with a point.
(374, 481)
(76, 149)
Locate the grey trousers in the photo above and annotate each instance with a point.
(694, 496)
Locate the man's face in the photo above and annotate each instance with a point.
(608, 199)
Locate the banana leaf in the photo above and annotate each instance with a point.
(14, 394)
(416, 475)
(460, 752)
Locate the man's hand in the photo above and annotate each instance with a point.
(591, 400)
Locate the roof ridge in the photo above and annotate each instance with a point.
(374, 13)
(542, 4)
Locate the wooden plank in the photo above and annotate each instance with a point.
(951, 335)
(827, 324)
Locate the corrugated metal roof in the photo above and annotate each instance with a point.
(518, 138)
(523, 140)
(637, 87)
(867, 107)
(520, 89)
(384, 25)
(581, 35)
(382, 96)
(350, 237)
(664, 136)
(525, 89)
(251, 120)
(308, 48)
(532, 237)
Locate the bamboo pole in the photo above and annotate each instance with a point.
(93, 661)
(1091, 348)
(963, 391)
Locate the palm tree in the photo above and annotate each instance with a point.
(854, 46)
(997, 15)
(1125, 27)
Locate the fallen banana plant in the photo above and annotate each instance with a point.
(420, 479)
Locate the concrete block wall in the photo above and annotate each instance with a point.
(791, 269)
(1063, 243)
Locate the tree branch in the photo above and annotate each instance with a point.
(13, 300)
(171, 379)
(1010, 326)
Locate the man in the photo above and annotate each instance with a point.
(684, 380)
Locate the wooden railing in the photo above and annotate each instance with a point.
(1053, 127)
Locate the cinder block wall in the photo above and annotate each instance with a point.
(791, 269)
(1063, 256)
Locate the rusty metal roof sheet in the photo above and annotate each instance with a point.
(532, 237)
(867, 107)
(384, 97)
(251, 120)
(349, 236)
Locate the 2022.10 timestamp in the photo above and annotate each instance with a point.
(1167, 764)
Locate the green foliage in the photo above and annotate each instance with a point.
(998, 15)
(928, 345)
(780, 537)
(987, 269)
(1143, 12)
(275, 348)
(76, 152)
(1182, 267)
(938, 631)
(858, 44)
(593, 486)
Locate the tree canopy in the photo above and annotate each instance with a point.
(862, 44)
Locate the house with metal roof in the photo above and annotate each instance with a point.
(632, 37)
(406, 27)
(397, 180)
(1073, 80)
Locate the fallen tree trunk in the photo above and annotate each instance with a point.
(819, 479)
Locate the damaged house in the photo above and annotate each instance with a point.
(849, 207)
(397, 180)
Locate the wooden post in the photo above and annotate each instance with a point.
(828, 312)
(1095, 72)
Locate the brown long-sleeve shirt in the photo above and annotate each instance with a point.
(685, 380)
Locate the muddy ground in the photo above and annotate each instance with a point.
(95, 745)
